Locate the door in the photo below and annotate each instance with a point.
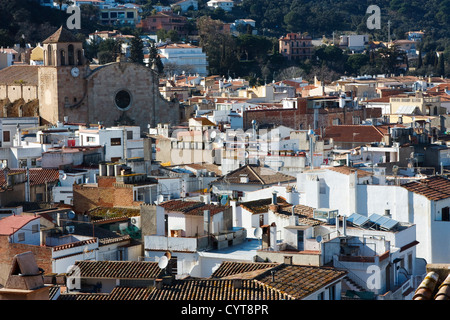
(300, 243)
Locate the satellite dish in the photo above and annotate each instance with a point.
(319, 239)
(163, 262)
(258, 233)
(160, 198)
(70, 214)
(63, 176)
(213, 134)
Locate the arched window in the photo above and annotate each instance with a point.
(63, 57)
(50, 56)
(71, 55)
(79, 58)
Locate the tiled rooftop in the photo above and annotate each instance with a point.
(353, 133)
(11, 224)
(191, 207)
(28, 75)
(118, 269)
(347, 170)
(304, 213)
(262, 205)
(300, 281)
(433, 188)
(38, 176)
(276, 282)
(256, 175)
(231, 268)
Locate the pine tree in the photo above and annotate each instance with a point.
(136, 50)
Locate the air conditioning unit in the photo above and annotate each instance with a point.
(136, 221)
(70, 229)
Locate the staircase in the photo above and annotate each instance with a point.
(352, 285)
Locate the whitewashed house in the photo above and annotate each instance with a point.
(424, 202)
(21, 229)
(186, 228)
(184, 58)
(119, 142)
(226, 5)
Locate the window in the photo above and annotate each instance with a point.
(336, 122)
(130, 15)
(90, 139)
(320, 296)
(35, 228)
(331, 293)
(445, 214)
(21, 236)
(116, 141)
(6, 136)
(71, 54)
(129, 135)
(63, 58)
(22, 163)
(123, 100)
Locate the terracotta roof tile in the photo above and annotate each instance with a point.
(38, 176)
(262, 205)
(61, 35)
(74, 244)
(256, 175)
(347, 170)
(191, 207)
(353, 133)
(300, 281)
(433, 188)
(231, 268)
(27, 75)
(118, 269)
(11, 224)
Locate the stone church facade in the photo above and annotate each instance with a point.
(68, 89)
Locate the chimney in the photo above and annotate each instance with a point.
(206, 222)
(274, 204)
(237, 283)
(344, 225)
(272, 272)
(158, 284)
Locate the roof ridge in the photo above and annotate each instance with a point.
(257, 176)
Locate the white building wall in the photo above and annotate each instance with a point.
(31, 238)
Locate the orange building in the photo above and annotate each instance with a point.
(295, 46)
(165, 20)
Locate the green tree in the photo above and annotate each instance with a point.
(109, 50)
(136, 50)
(355, 62)
(220, 47)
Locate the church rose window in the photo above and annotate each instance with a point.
(123, 99)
